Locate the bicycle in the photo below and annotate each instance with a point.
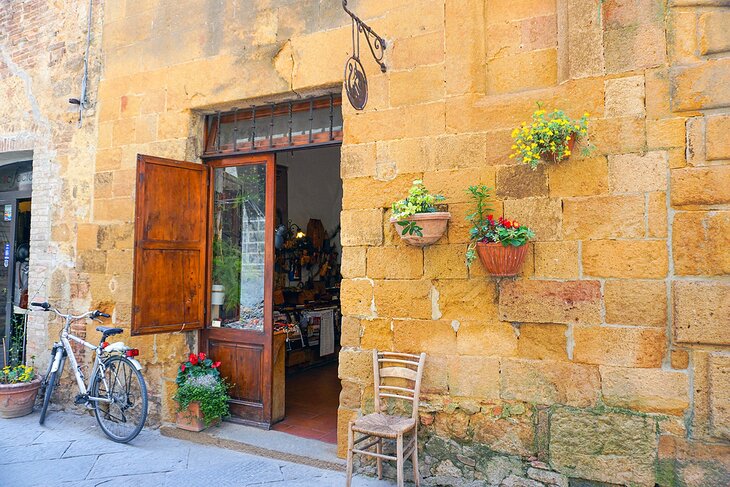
(116, 390)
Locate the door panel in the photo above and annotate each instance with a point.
(170, 246)
(241, 232)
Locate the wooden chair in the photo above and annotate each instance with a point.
(405, 370)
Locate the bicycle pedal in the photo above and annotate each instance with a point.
(81, 399)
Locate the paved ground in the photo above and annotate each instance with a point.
(70, 450)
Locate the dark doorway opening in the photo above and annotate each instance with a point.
(307, 288)
(15, 204)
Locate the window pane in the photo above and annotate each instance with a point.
(238, 247)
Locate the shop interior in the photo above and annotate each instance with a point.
(306, 281)
(307, 287)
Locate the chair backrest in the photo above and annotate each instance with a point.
(403, 369)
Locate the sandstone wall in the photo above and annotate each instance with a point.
(607, 359)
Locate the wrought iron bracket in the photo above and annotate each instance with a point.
(356, 82)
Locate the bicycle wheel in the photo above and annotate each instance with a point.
(123, 417)
(50, 385)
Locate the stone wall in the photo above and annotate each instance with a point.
(605, 360)
(42, 47)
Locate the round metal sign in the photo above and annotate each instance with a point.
(356, 83)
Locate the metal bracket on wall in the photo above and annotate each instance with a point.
(356, 81)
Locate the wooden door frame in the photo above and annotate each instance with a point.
(266, 338)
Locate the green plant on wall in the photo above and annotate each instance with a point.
(419, 200)
(227, 271)
(548, 137)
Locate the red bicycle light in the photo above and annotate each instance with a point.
(105, 344)
(132, 352)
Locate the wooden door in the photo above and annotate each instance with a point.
(170, 246)
(241, 232)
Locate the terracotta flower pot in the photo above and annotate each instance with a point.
(191, 418)
(17, 399)
(432, 227)
(551, 156)
(500, 260)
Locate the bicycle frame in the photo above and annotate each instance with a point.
(63, 349)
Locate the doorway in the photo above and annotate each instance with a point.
(306, 288)
(15, 204)
(273, 313)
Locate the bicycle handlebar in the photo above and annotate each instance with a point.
(89, 314)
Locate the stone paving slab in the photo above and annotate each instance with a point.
(70, 450)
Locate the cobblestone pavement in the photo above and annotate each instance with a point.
(70, 450)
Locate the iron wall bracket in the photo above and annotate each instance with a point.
(356, 81)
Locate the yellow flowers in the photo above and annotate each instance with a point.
(546, 137)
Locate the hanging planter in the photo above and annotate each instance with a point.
(417, 219)
(549, 138)
(422, 229)
(500, 244)
(501, 260)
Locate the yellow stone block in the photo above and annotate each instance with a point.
(647, 390)
(403, 299)
(620, 346)
(556, 259)
(419, 85)
(521, 72)
(699, 243)
(465, 299)
(486, 338)
(353, 262)
(665, 133)
(550, 382)
(635, 302)
(603, 217)
(445, 261)
(361, 227)
(700, 186)
(543, 341)
(473, 376)
(718, 145)
(401, 262)
(625, 258)
(419, 50)
(357, 297)
(416, 336)
(377, 334)
(579, 176)
(637, 173)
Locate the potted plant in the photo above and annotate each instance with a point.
(202, 395)
(417, 218)
(18, 388)
(549, 138)
(500, 244)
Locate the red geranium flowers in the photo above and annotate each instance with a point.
(197, 365)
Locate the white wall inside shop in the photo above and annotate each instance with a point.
(314, 187)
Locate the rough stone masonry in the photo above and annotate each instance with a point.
(606, 361)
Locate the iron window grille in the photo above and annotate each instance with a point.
(313, 121)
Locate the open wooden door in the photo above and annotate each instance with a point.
(241, 231)
(170, 246)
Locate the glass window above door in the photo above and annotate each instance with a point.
(239, 241)
(314, 121)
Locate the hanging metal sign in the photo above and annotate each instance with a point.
(356, 81)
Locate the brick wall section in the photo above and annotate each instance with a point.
(612, 340)
(41, 60)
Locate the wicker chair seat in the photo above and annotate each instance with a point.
(383, 425)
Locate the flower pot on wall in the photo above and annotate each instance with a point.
(422, 229)
(500, 260)
(551, 156)
(191, 418)
(17, 399)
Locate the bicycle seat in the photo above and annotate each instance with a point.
(106, 331)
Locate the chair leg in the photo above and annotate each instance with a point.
(414, 460)
(350, 446)
(379, 450)
(400, 459)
